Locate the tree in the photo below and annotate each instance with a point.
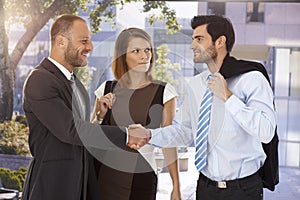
(163, 66)
(34, 15)
(13, 179)
(14, 137)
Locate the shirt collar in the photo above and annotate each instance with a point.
(61, 68)
(206, 75)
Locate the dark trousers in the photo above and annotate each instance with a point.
(248, 188)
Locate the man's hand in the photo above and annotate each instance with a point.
(218, 86)
(138, 136)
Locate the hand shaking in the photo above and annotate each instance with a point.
(138, 136)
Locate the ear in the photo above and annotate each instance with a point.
(60, 41)
(221, 42)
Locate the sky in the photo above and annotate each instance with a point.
(131, 14)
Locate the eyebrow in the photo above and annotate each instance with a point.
(197, 36)
(133, 48)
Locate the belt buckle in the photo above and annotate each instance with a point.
(221, 184)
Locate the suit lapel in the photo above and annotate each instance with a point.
(49, 66)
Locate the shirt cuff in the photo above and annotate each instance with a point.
(153, 132)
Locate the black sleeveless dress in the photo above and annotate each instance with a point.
(126, 175)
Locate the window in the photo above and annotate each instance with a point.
(255, 12)
(216, 8)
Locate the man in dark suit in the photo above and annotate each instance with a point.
(58, 120)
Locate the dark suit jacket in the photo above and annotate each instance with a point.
(58, 138)
(269, 172)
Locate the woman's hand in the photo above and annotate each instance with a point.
(103, 104)
(176, 194)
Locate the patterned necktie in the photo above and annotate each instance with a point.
(78, 97)
(202, 130)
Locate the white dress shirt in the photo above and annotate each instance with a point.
(237, 126)
(61, 68)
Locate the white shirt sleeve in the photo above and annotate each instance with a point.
(100, 90)
(256, 113)
(181, 131)
(169, 93)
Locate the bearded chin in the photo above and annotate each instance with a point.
(75, 61)
(82, 64)
(79, 63)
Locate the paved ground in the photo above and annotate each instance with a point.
(287, 189)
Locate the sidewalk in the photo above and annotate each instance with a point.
(188, 181)
(287, 189)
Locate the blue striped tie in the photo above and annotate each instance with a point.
(202, 130)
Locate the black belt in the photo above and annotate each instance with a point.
(237, 183)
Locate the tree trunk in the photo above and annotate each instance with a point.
(6, 73)
(37, 23)
(8, 63)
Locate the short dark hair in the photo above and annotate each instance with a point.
(216, 27)
(62, 25)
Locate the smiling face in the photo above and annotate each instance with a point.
(138, 55)
(203, 46)
(79, 44)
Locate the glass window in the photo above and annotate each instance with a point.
(255, 12)
(216, 8)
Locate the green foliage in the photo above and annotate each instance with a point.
(103, 11)
(14, 137)
(166, 13)
(21, 119)
(13, 179)
(164, 67)
(82, 73)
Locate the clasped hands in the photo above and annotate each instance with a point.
(138, 136)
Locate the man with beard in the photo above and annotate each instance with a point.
(227, 113)
(57, 106)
